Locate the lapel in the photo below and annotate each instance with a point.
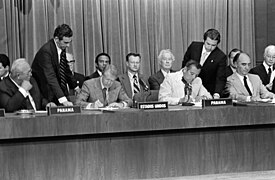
(127, 84)
(55, 54)
(239, 85)
(98, 90)
(263, 73)
(159, 77)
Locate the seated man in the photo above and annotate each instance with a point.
(101, 62)
(78, 77)
(230, 69)
(103, 91)
(165, 59)
(4, 66)
(244, 86)
(19, 90)
(184, 85)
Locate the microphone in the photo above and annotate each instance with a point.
(146, 88)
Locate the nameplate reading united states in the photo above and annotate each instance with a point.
(216, 102)
(2, 112)
(63, 110)
(152, 105)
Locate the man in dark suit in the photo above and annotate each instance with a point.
(4, 66)
(20, 91)
(212, 59)
(230, 69)
(77, 76)
(166, 59)
(46, 66)
(103, 91)
(244, 86)
(101, 62)
(266, 70)
(132, 81)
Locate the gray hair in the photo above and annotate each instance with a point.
(162, 52)
(17, 66)
(111, 69)
(269, 49)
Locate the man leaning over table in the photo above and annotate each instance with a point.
(244, 86)
(184, 85)
(103, 91)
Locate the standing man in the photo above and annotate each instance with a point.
(212, 59)
(165, 59)
(244, 86)
(4, 66)
(50, 68)
(132, 81)
(266, 70)
(101, 62)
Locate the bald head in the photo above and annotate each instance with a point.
(71, 61)
(242, 63)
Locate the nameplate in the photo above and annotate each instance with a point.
(2, 112)
(216, 102)
(63, 110)
(152, 105)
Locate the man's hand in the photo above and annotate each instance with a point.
(51, 104)
(216, 96)
(67, 103)
(185, 99)
(26, 85)
(255, 98)
(98, 104)
(116, 105)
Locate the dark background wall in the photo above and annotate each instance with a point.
(264, 26)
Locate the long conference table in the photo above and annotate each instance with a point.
(137, 144)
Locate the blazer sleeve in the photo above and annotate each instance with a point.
(83, 96)
(221, 76)
(11, 103)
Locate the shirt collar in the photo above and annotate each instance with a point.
(164, 72)
(101, 83)
(58, 49)
(266, 66)
(132, 74)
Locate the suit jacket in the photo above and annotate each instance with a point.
(228, 71)
(12, 99)
(172, 88)
(213, 69)
(92, 91)
(261, 72)
(45, 69)
(80, 78)
(238, 91)
(126, 84)
(94, 75)
(156, 79)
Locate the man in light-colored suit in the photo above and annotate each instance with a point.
(184, 85)
(127, 80)
(244, 86)
(166, 59)
(103, 91)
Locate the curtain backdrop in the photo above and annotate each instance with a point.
(118, 27)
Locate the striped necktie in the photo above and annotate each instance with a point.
(135, 85)
(63, 69)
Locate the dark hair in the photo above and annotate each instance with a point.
(212, 34)
(4, 59)
(192, 63)
(63, 30)
(102, 54)
(132, 54)
(233, 51)
(236, 57)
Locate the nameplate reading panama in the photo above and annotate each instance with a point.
(63, 110)
(217, 102)
(152, 105)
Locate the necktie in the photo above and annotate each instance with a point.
(30, 102)
(62, 69)
(203, 58)
(269, 74)
(135, 85)
(187, 88)
(104, 92)
(246, 86)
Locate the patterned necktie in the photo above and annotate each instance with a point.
(203, 58)
(187, 88)
(246, 86)
(104, 92)
(135, 85)
(269, 74)
(62, 69)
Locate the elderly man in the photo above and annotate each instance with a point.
(101, 62)
(103, 91)
(212, 59)
(184, 85)
(165, 59)
(266, 70)
(244, 86)
(4, 66)
(50, 68)
(19, 90)
(132, 81)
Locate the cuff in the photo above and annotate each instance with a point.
(62, 100)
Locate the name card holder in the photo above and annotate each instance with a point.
(63, 110)
(216, 102)
(152, 105)
(2, 112)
